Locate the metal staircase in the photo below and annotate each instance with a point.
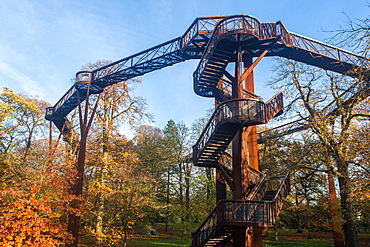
(264, 202)
(226, 121)
(229, 216)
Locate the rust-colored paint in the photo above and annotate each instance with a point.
(85, 124)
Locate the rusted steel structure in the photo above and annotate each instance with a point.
(240, 41)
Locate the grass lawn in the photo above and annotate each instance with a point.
(159, 240)
(285, 238)
(318, 239)
(291, 238)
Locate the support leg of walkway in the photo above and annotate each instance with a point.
(85, 124)
(240, 164)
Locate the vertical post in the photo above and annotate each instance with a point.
(74, 218)
(85, 124)
(255, 238)
(237, 142)
(240, 164)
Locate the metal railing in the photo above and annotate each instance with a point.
(237, 110)
(201, 26)
(232, 110)
(327, 50)
(257, 192)
(274, 106)
(226, 88)
(255, 176)
(241, 213)
(143, 62)
(224, 27)
(71, 92)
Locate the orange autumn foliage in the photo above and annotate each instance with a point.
(25, 220)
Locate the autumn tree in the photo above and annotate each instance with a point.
(128, 191)
(360, 169)
(205, 175)
(117, 105)
(34, 190)
(21, 118)
(149, 143)
(309, 90)
(304, 161)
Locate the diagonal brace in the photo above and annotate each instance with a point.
(226, 176)
(251, 68)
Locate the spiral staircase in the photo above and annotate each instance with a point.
(265, 200)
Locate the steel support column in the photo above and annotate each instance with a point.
(240, 163)
(255, 238)
(85, 124)
(245, 150)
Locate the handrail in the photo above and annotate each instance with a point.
(254, 175)
(327, 50)
(226, 26)
(237, 110)
(251, 170)
(241, 212)
(200, 26)
(286, 182)
(226, 89)
(227, 111)
(274, 106)
(253, 194)
(138, 58)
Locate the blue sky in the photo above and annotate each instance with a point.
(43, 43)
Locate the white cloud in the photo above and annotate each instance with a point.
(23, 81)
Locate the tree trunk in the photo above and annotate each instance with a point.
(208, 188)
(349, 225)
(167, 195)
(335, 217)
(101, 203)
(103, 175)
(187, 184)
(181, 193)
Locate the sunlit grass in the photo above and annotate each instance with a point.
(303, 243)
(285, 238)
(159, 241)
(291, 238)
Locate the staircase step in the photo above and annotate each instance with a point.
(269, 195)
